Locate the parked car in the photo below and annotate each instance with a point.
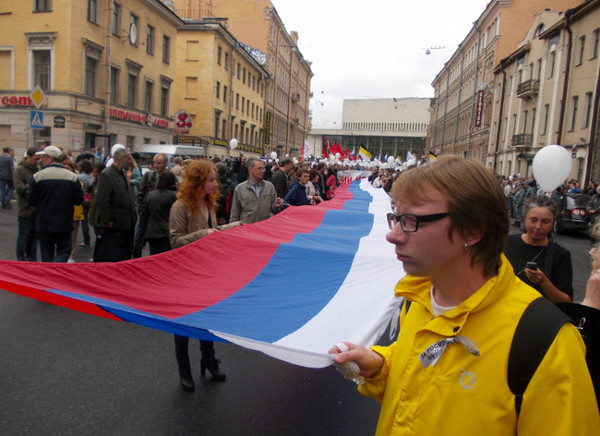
(573, 215)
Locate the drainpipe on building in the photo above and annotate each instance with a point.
(499, 128)
(593, 131)
(231, 118)
(445, 111)
(475, 84)
(273, 116)
(462, 70)
(105, 108)
(563, 104)
(289, 102)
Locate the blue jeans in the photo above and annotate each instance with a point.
(55, 247)
(6, 191)
(26, 240)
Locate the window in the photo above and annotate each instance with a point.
(237, 100)
(164, 99)
(132, 80)
(226, 61)
(581, 53)
(116, 19)
(238, 70)
(588, 109)
(247, 107)
(92, 14)
(596, 43)
(244, 75)
(574, 103)
(114, 85)
(545, 124)
(166, 49)
(218, 90)
(224, 129)
(243, 103)
(219, 52)
(150, 40)
(42, 5)
(91, 73)
(216, 125)
(525, 113)
(224, 94)
(41, 69)
(133, 28)
(551, 61)
(148, 95)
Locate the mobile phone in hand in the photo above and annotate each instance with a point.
(532, 265)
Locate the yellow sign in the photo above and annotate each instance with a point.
(37, 96)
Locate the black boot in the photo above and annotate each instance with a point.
(210, 362)
(185, 379)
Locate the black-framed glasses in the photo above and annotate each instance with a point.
(410, 223)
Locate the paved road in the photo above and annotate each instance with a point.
(64, 372)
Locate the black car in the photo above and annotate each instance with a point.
(573, 215)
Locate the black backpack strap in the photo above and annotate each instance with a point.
(534, 334)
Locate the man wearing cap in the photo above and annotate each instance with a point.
(54, 191)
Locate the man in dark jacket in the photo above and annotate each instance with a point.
(147, 185)
(26, 240)
(281, 177)
(116, 212)
(54, 191)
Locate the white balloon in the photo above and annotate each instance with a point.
(295, 161)
(273, 155)
(233, 143)
(337, 155)
(390, 160)
(551, 167)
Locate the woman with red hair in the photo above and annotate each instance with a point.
(192, 217)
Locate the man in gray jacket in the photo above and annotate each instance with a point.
(7, 166)
(255, 199)
(26, 240)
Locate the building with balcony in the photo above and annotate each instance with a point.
(464, 90)
(547, 93)
(221, 91)
(257, 25)
(106, 69)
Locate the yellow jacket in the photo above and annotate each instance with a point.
(464, 394)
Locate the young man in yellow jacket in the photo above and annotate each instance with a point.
(447, 372)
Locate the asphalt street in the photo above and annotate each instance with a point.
(67, 373)
(63, 372)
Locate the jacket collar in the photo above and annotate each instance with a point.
(417, 289)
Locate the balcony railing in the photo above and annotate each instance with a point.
(528, 88)
(522, 140)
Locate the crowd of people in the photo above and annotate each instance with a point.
(449, 227)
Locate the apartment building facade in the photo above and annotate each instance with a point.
(221, 91)
(461, 114)
(256, 24)
(105, 67)
(547, 93)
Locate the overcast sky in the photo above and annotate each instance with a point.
(375, 49)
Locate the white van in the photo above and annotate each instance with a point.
(147, 151)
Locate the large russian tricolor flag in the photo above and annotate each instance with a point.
(290, 286)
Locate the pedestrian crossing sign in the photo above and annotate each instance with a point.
(36, 119)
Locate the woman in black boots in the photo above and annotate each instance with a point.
(192, 217)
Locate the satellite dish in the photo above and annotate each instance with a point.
(133, 34)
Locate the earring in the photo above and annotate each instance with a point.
(466, 246)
